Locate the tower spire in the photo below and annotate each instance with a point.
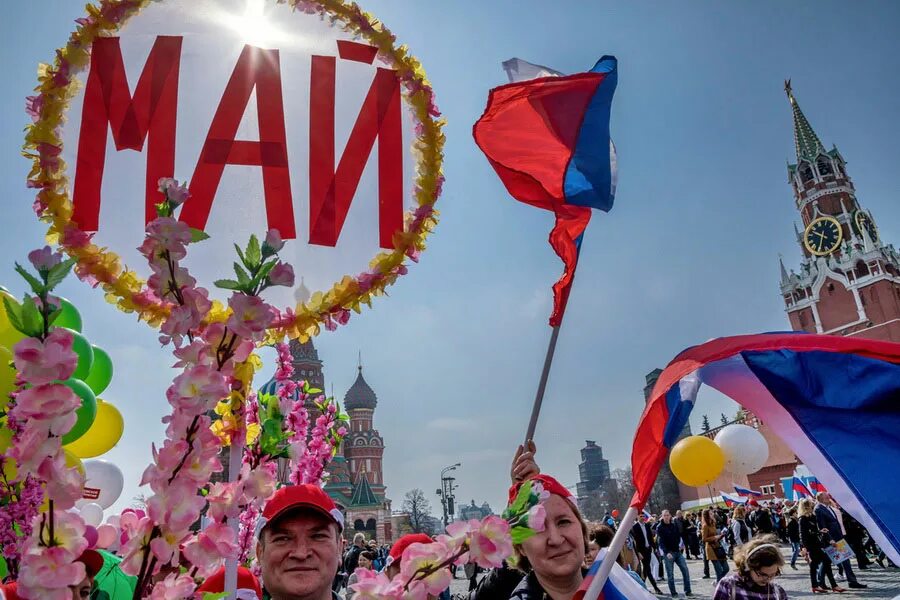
(784, 274)
(806, 142)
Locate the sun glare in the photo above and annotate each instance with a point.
(254, 26)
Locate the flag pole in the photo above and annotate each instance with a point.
(615, 547)
(542, 385)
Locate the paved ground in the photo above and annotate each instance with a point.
(883, 583)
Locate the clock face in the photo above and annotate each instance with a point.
(863, 221)
(822, 236)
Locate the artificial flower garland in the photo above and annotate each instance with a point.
(43, 145)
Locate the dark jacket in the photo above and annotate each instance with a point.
(826, 518)
(351, 559)
(528, 589)
(497, 584)
(668, 536)
(809, 534)
(641, 546)
(793, 531)
(763, 521)
(855, 530)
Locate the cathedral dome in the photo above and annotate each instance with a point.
(360, 395)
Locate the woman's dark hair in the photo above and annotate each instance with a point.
(369, 554)
(602, 535)
(758, 553)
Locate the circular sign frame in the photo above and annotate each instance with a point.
(101, 266)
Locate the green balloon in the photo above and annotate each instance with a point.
(69, 317)
(85, 353)
(86, 413)
(101, 371)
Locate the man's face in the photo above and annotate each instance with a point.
(299, 555)
(666, 516)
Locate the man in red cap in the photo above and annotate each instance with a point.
(299, 544)
(93, 562)
(248, 587)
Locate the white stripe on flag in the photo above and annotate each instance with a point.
(520, 70)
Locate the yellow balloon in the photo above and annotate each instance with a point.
(696, 461)
(103, 434)
(5, 436)
(10, 469)
(73, 461)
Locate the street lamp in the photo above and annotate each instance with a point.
(446, 491)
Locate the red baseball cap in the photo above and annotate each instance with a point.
(246, 583)
(93, 562)
(405, 542)
(304, 495)
(550, 485)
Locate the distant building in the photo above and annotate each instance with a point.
(472, 511)
(593, 470)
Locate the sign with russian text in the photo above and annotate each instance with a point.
(302, 116)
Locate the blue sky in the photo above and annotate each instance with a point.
(690, 252)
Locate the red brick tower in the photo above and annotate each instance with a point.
(849, 279)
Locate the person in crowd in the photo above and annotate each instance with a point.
(472, 570)
(813, 539)
(712, 541)
(668, 538)
(645, 547)
(752, 507)
(340, 577)
(681, 521)
(366, 561)
(299, 545)
(395, 558)
(793, 535)
(762, 520)
(692, 536)
(739, 527)
(856, 535)
(553, 558)
(92, 561)
(248, 587)
(351, 556)
(828, 517)
(758, 563)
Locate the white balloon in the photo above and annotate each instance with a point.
(92, 513)
(113, 520)
(745, 449)
(103, 482)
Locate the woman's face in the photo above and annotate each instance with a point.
(83, 589)
(558, 551)
(593, 549)
(765, 575)
(364, 562)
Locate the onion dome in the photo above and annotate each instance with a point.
(360, 395)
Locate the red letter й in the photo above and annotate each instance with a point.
(261, 69)
(330, 191)
(152, 110)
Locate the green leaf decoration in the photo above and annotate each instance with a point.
(264, 271)
(520, 534)
(521, 501)
(240, 254)
(32, 319)
(214, 595)
(36, 285)
(314, 391)
(198, 235)
(243, 277)
(13, 312)
(59, 272)
(253, 253)
(227, 284)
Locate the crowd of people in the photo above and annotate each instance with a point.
(302, 553)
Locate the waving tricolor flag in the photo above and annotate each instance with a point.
(815, 486)
(548, 140)
(732, 500)
(835, 401)
(746, 491)
(800, 489)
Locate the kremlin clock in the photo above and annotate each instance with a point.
(822, 236)
(862, 220)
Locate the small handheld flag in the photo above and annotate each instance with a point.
(799, 488)
(731, 500)
(746, 491)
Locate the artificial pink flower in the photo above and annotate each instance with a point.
(491, 543)
(47, 573)
(424, 559)
(273, 240)
(44, 362)
(72, 237)
(251, 316)
(225, 499)
(259, 482)
(63, 484)
(47, 401)
(376, 586)
(174, 192)
(537, 517)
(169, 232)
(132, 550)
(68, 532)
(165, 547)
(44, 259)
(178, 505)
(33, 446)
(210, 547)
(174, 587)
(282, 274)
(198, 389)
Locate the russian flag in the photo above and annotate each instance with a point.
(815, 486)
(746, 491)
(799, 488)
(733, 500)
(548, 140)
(619, 586)
(835, 401)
